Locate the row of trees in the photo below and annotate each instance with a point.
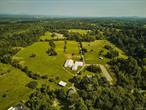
(51, 51)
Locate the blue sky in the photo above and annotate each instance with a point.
(81, 8)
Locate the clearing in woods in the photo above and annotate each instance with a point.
(96, 49)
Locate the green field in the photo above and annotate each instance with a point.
(51, 65)
(93, 48)
(48, 36)
(80, 31)
(12, 86)
(13, 81)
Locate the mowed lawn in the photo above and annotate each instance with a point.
(72, 50)
(93, 48)
(12, 86)
(45, 64)
(48, 36)
(80, 31)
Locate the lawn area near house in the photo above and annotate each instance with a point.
(72, 50)
(94, 49)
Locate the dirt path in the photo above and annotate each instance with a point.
(106, 74)
(68, 71)
(83, 58)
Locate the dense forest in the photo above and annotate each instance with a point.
(129, 34)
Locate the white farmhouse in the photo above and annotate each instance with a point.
(62, 83)
(69, 63)
(79, 63)
(76, 65)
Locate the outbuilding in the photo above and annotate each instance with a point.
(76, 65)
(101, 58)
(62, 83)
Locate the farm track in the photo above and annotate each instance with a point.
(106, 74)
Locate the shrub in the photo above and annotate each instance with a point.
(52, 80)
(51, 52)
(112, 54)
(32, 84)
(45, 76)
(4, 95)
(84, 50)
(108, 47)
(33, 55)
(93, 68)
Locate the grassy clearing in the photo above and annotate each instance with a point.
(50, 65)
(12, 85)
(48, 36)
(72, 50)
(80, 31)
(94, 48)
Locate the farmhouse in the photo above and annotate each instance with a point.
(69, 63)
(62, 83)
(76, 65)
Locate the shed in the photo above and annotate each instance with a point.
(62, 83)
(101, 58)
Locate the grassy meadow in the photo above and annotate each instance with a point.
(94, 48)
(48, 36)
(12, 84)
(42, 63)
(80, 31)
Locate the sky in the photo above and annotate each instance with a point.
(75, 8)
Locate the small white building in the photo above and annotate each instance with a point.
(12, 108)
(101, 58)
(69, 63)
(79, 63)
(62, 83)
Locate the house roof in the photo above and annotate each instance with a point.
(69, 63)
(79, 63)
(100, 57)
(62, 83)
